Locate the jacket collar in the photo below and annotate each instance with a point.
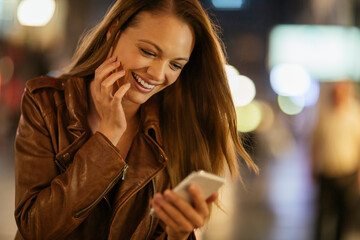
(150, 118)
(76, 98)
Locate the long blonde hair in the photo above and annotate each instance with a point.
(197, 117)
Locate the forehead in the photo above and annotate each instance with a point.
(170, 33)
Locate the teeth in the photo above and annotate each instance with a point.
(144, 84)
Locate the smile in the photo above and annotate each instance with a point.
(142, 82)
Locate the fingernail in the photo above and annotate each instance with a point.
(157, 195)
(167, 193)
(158, 199)
(113, 58)
(120, 72)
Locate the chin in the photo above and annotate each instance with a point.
(137, 98)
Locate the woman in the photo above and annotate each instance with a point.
(145, 102)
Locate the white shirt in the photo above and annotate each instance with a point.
(338, 141)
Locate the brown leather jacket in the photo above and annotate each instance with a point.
(72, 184)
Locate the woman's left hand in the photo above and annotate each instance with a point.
(180, 217)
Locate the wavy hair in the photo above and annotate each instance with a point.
(197, 117)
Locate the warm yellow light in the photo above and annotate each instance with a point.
(35, 12)
(248, 117)
(288, 106)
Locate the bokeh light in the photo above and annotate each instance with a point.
(35, 12)
(290, 80)
(288, 106)
(248, 117)
(242, 88)
(228, 4)
(327, 51)
(311, 96)
(246, 92)
(231, 71)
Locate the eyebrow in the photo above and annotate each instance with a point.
(160, 50)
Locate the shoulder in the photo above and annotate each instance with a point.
(45, 82)
(44, 93)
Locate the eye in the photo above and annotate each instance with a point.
(147, 53)
(176, 66)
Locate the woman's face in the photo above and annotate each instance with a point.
(153, 52)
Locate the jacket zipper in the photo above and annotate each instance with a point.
(62, 169)
(122, 172)
(151, 217)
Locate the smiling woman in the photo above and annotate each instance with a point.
(144, 103)
(152, 52)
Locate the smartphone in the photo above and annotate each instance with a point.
(208, 184)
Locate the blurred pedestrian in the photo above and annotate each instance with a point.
(336, 161)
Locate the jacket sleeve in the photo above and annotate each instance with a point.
(49, 205)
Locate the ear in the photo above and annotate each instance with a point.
(112, 28)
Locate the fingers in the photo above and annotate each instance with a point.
(106, 75)
(172, 209)
(119, 94)
(107, 98)
(192, 214)
(106, 68)
(106, 86)
(168, 213)
(199, 203)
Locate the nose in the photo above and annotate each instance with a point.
(157, 70)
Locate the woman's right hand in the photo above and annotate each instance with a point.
(108, 105)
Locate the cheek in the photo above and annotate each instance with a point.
(173, 78)
(128, 56)
(133, 61)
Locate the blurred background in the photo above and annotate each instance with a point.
(284, 60)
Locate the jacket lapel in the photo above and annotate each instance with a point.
(75, 93)
(146, 160)
(76, 98)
